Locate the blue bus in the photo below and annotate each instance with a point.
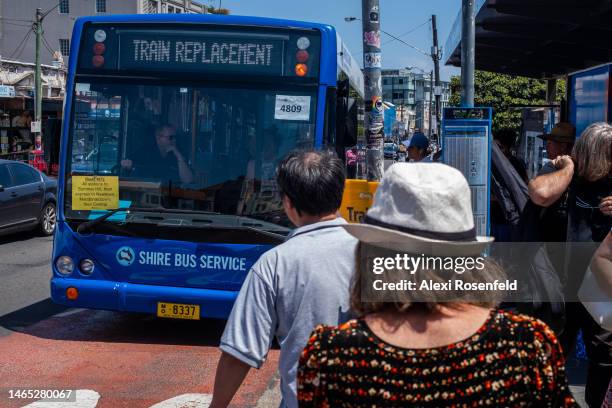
(173, 127)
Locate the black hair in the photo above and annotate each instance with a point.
(506, 136)
(312, 180)
(162, 126)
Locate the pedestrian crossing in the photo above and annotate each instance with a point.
(90, 399)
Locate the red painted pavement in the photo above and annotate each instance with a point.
(130, 360)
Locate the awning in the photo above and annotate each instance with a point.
(537, 38)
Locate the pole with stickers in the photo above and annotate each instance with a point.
(374, 108)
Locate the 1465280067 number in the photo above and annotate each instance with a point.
(49, 395)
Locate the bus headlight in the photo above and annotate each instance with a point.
(100, 36)
(303, 43)
(64, 265)
(86, 266)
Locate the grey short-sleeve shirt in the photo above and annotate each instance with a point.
(293, 287)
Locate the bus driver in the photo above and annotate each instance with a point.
(165, 161)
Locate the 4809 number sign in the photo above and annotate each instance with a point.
(291, 108)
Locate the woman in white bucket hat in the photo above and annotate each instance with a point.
(422, 346)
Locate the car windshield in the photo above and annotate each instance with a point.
(194, 149)
(390, 147)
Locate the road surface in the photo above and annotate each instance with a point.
(113, 359)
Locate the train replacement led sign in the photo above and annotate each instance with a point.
(152, 51)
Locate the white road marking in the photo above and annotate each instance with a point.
(186, 401)
(84, 399)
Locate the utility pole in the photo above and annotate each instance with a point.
(374, 118)
(468, 52)
(435, 54)
(38, 79)
(431, 82)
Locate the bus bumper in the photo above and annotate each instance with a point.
(130, 297)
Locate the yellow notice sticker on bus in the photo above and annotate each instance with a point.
(95, 192)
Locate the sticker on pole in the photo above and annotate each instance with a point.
(290, 107)
(95, 192)
(35, 127)
(372, 59)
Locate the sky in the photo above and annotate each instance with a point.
(396, 16)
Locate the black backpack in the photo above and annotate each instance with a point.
(544, 280)
(530, 263)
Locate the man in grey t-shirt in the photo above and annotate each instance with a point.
(296, 285)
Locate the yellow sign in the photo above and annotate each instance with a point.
(95, 192)
(357, 198)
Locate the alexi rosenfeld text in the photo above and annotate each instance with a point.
(407, 264)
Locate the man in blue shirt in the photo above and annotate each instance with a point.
(417, 148)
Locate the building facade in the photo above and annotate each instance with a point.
(412, 95)
(18, 54)
(17, 41)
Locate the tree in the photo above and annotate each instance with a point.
(502, 92)
(215, 10)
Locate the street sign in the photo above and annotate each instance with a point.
(35, 127)
(7, 91)
(466, 146)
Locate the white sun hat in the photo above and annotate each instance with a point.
(422, 208)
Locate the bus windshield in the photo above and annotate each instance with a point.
(195, 148)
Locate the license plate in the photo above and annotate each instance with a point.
(178, 311)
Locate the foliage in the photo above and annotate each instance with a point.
(215, 10)
(501, 92)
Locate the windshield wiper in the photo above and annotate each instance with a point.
(262, 231)
(86, 226)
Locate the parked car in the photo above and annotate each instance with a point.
(390, 150)
(27, 199)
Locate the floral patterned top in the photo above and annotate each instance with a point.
(512, 360)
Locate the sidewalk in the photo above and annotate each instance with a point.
(576, 374)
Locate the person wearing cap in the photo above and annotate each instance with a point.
(417, 148)
(549, 188)
(426, 347)
(559, 143)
